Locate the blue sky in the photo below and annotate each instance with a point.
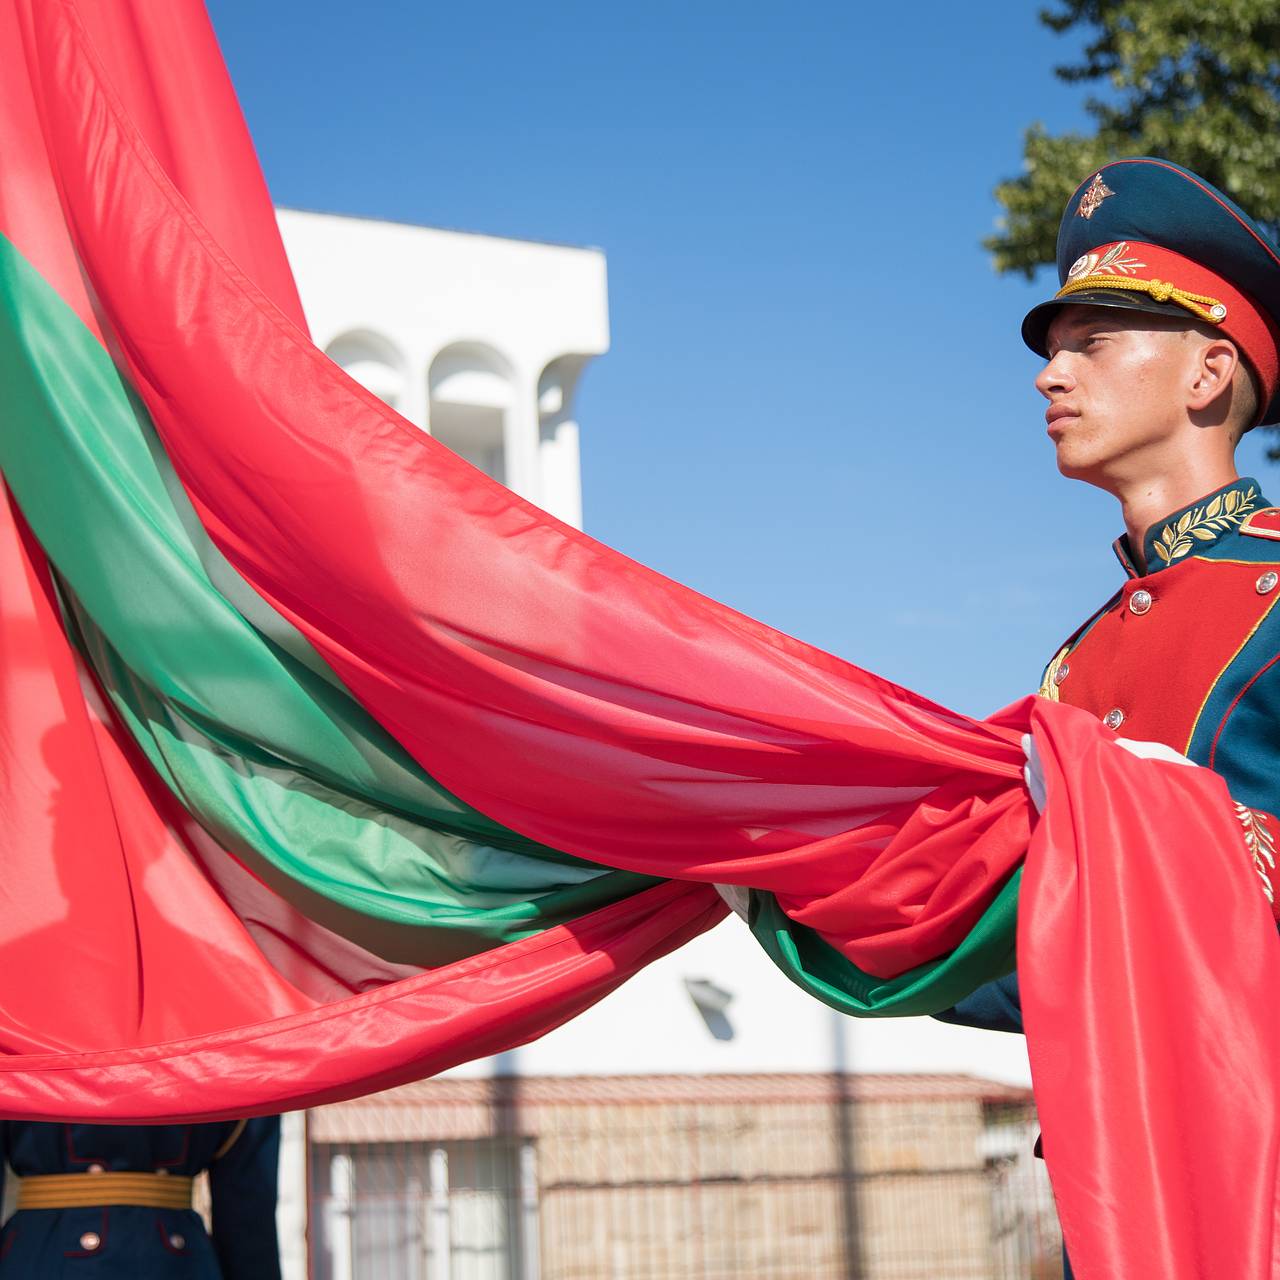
(816, 407)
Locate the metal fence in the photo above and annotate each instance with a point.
(543, 1184)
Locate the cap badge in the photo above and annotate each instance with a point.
(1082, 265)
(1097, 193)
(1112, 263)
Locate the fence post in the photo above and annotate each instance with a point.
(438, 1172)
(530, 1252)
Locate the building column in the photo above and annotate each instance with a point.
(520, 438)
(416, 392)
(558, 450)
(561, 470)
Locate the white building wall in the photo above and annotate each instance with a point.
(652, 1025)
(478, 339)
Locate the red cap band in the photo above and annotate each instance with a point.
(1245, 322)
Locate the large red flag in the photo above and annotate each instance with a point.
(332, 763)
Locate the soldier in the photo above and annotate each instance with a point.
(115, 1200)
(1163, 349)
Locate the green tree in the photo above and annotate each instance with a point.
(1194, 81)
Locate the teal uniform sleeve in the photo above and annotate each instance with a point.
(242, 1185)
(994, 1006)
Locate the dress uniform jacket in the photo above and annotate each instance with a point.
(1186, 653)
(133, 1242)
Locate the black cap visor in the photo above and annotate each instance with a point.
(1035, 327)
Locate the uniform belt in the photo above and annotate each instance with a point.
(88, 1190)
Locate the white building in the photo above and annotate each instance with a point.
(482, 342)
(479, 340)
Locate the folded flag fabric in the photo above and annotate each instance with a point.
(326, 762)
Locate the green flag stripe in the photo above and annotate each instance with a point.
(446, 896)
(986, 953)
(269, 754)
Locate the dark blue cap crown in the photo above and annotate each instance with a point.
(1146, 200)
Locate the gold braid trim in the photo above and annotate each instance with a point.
(1211, 310)
(1260, 843)
(1049, 685)
(1203, 524)
(232, 1138)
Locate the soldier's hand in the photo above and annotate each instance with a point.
(1153, 751)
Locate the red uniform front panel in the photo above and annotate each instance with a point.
(1156, 667)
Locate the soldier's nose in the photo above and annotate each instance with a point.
(1054, 379)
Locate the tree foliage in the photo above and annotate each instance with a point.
(1194, 81)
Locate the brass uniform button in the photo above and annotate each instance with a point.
(1061, 674)
(1267, 583)
(177, 1242)
(96, 1168)
(1114, 718)
(1140, 602)
(90, 1241)
(162, 1173)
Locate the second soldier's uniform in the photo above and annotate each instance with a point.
(115, 1201)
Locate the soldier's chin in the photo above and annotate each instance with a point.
(1076, 463)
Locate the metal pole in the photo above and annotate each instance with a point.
(850, 1226)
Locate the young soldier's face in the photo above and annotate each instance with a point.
(1116, 383)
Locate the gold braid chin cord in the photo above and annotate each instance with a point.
(1200, 305)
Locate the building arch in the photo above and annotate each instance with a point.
(560, 479)
(374, 361)
(471, 393)
(557, 386)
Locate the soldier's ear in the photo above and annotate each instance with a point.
(1209, 394)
